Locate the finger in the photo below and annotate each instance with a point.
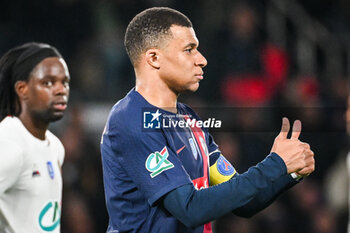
(309, 168)
(306, 145)
(306, 171)
(304, 174)
(296, 130)
(285, 128)
(308, 152)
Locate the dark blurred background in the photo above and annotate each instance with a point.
(273, 58)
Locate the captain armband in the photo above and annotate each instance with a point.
(221, 171)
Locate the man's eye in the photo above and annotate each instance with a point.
(188, 50)
(48, 83)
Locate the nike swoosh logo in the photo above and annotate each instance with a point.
(179, 150)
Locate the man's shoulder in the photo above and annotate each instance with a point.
(126, 114)
(125, 108)
(10, 136)
(9, 128)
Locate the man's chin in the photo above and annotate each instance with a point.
(187, 89)
(192, 88)
(56, 116)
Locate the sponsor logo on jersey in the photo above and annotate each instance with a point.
(50, 169)
(158, 162)
(224, 167)
(151, 120)
(179, 150)
(50, 216)
(36, 172)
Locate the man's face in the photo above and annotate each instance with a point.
(48, 90)
(181, 63)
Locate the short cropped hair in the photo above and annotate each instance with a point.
(150, 28)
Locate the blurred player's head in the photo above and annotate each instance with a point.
(151, 29)
(33, 82)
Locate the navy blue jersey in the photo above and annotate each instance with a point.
(142, 162)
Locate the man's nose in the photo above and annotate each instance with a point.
(61, 88)
(201, 61)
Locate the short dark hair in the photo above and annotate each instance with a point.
(17, 65)
(149, 28)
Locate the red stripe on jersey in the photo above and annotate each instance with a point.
(207, 228)
(200, 137)
(201, 182)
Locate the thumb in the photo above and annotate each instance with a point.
(284, 129)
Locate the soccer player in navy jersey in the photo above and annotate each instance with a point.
(175, 179)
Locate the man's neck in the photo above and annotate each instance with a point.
(157, 93)
(37, 129)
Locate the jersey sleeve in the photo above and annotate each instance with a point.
(11, 160)
(146, 157)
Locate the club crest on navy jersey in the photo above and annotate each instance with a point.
(193, 148)
(224, 167)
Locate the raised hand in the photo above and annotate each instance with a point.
(309, 160)
(297, 155)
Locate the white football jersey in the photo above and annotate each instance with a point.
(30, 180)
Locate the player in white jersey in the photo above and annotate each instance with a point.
(34, 90)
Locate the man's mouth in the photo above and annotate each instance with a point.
(60, 106)
(199, 76)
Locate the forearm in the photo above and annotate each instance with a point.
(195, 208)
(265, 197)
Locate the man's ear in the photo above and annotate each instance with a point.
(21, 88)
(152, 58)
